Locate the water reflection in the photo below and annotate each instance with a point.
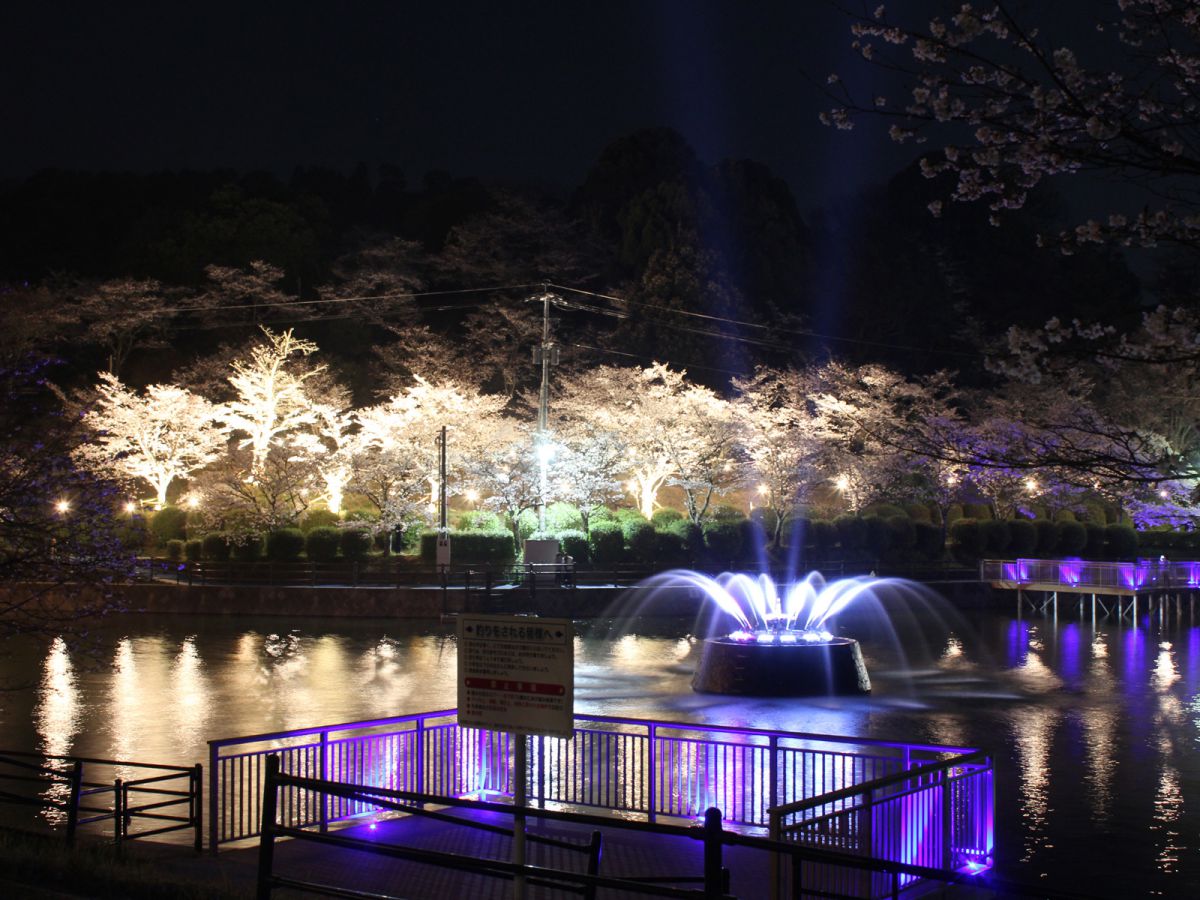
(191, 703)
(57, 720)
(57, 714)
(1095, 726)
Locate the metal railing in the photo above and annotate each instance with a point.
(925, 816)
(798, 870)
(644, 768)
(1143, 575)
(74, 791)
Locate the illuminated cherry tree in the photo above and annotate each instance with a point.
(587, 466)
(329, 444)
(639, 406)
(163, 434)
(396, 444)
(507, 474)
(779, 439)
(271, 395)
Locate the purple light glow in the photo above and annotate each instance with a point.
(1017, 571)
(1069, 572)
(1133, 576)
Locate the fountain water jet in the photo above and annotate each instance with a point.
(781, 646)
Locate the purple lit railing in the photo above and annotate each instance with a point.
(647, 768)
(1092, 576)
(937, 815)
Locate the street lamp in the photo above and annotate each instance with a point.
(62, 507)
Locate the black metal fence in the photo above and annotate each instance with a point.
(140, 800)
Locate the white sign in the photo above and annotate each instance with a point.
(516, 673)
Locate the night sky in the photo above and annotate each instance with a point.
(518, 92)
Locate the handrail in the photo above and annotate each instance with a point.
(613, 720)
(121, 812)
(706, 834)
(882, 782)
(587, 883)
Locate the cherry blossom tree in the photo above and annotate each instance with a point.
(328, 443)
(286, 484)
(124, 314)
(400, 435)
(507, 474)
(1005, 105)
(163, 434)
(587, 467)
(271, 397)
(779, 438)
(58, 531)
(645, 408)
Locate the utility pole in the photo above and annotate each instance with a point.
(545, 355)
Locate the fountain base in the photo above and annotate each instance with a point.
(781, 670)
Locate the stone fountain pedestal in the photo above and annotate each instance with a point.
(781, 670)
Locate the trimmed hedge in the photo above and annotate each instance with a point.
(902, 536)
(930, 543)
(1122, 541)
(1097, 540)
(356, 543)
(216, 546)
(193, 550)
(471, 547)
(1072, 537)
(1022, 537)
(723, 540)
(574, 544)
(322, 543)
(1047, 538)
(996, 536)
(851, 532)
(606, 543)
(175, 550)
(967, 540)
(285, 544)
(246, 548)
(643, 543)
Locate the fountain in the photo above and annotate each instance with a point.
(781, 647)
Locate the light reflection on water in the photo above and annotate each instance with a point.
(1095, 728)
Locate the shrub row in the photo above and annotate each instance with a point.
(320, 544)
(971, 539)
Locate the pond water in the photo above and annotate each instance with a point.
(1095, 726)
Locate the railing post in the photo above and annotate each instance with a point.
(324, 751)
(420, 763)
(73, 800)
(197, 790)
(120, 802)
(947, 822)
(773, 761)
(541, 766)
(266, 844)
(214, 807)
(773, 833)
(714, 887)
(652, 778)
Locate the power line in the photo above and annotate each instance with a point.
(414, 295)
